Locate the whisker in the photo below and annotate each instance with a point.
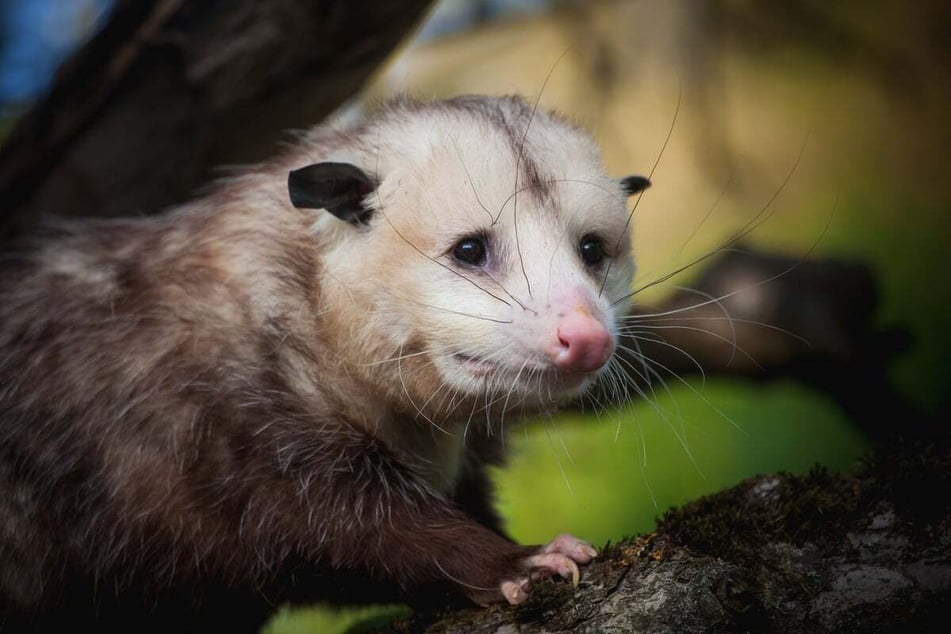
(554, 453)
(735, 291)
(710, 210)
(661, 341)
(697, 393)
(435, 261)
(444, 389)
(680, 435)
(460, 313)
(506, 403)
(649, 382)
(738, 320)
(399, 369)
(379, 201)
(518, 161)
(630, 217)
(514, 298)
(726, 314)
(650, 489)
(408, 355)
(758, 219)
(469, 178)
(612, 192)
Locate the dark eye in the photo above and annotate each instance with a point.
(592, 250)
(470, 251)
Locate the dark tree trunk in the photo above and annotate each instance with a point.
(171, 90)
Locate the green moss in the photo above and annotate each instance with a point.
(734, 524)
(820, 508)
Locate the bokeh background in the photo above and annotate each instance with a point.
(848, 100)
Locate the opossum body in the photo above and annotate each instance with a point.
(249, 392)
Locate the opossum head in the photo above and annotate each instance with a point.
(477, 255)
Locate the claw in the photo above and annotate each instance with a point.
(560, 556)
(578, 550)
(515, 591)
(556, 563)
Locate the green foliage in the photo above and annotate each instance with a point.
(321, 619)
(609, 476)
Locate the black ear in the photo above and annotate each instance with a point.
(337, 187)
(634, 184)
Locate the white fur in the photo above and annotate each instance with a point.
(446, 174)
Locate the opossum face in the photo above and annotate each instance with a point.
(492, 256)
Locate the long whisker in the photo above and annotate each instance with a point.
(712, 208)
(735, 320)
(460, 313)
(554, 453)
(759, 218)
(399, 369)
(630, 217)
(661, 341)
(610, 191)
(518, 163)
(615, 389)
(379, 201)
(505, 405)
(435, 261)
(697, 393)
(731, 342)
(648, 380)
(681, 436)
(445, 390)
(406, 356)
(506, 291)
(736, 291)
(469, 178)
(650, 489)
(726, 314)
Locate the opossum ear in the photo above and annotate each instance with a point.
(340, 188)
(634, 184)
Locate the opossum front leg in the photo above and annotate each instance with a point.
(376, 514)
(558, 557)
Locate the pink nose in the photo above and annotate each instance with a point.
(581, 343)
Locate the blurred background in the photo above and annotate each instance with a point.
(849, 101)
(860, 89)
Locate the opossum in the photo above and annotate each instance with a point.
(297, 379)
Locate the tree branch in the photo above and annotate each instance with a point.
(777, 553)
(170, 90)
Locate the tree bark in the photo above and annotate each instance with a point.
(869, 552)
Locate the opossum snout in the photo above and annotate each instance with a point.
(580, 343)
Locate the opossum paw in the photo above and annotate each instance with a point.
(515, 590)
(570, 546)
(551, 564)
(560, 557)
